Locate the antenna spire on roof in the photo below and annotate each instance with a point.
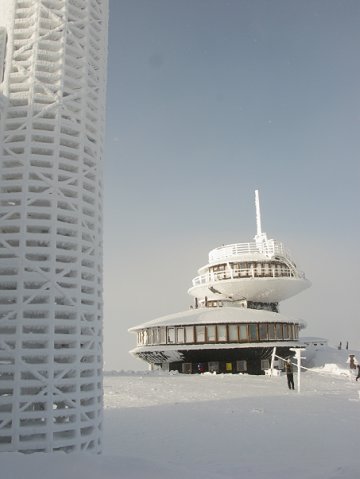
(258, 216)
(260, 237)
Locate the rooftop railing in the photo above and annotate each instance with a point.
(269, 248)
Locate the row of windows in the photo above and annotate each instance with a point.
(242, 304)
(249, 269)
(218, 333)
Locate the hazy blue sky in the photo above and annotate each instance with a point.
(207, 101)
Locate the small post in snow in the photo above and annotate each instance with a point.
(298, 358)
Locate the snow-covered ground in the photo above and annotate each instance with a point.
(218, 426)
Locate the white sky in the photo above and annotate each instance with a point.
(208, 101)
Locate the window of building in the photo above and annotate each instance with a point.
(200, 334)
(162, 335)
(170, 335)
(211, 333)
(219, 267)
(258, 269)
(186, 368)
(180, 335)
(189, 334)
(214, 304)
(233, 333)
(266, 269)
(214, 366)
(291, 331)
(228, 367)
(279, 334)
(221, 331)
(241, 366)
(156, 335)
(243, 330)
(235, 267)
(286, 330)
(263, 331)
(265, 364)
(253, 332)
(271, 331)
(243, 269)
(296, 331)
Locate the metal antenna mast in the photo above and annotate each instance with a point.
(258, 216)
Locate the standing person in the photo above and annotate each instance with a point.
(289, 374)
(358, 373)
(201, 368)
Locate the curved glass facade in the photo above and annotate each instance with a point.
(218, 333)
(246, 269)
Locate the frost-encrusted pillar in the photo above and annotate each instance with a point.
(52, 99)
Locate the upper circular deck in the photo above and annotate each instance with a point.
(262, 270)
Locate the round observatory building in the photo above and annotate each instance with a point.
(235, 322)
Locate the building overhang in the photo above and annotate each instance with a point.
(168, 348)
(227, 315)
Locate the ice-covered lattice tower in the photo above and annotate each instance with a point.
(52, 99)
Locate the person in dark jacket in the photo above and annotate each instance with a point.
(358, 374)
(289, 374)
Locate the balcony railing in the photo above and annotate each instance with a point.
(269, 248)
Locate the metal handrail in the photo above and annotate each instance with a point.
(269, 248)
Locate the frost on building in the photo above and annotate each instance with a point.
(235, 322)
(52, 100)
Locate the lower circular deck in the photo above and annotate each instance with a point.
(220, 339)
